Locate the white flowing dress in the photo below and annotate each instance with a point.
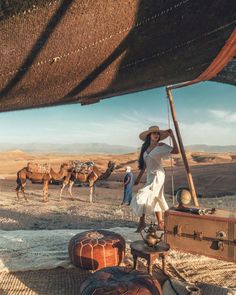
(151, 198)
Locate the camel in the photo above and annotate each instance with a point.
(25, 174)
(90, 178)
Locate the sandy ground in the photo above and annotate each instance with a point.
(106, 212)
(215, 184)
(78, 212)
(214, 181)
(67, 213)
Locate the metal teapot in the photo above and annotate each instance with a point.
(151, 238)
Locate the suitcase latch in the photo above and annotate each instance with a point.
(221, 245)
(198, 235)
(221, 234)
(177, 231)
(217, 245)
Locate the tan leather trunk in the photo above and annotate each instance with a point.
(213, 235)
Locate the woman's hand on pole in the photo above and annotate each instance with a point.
(170, 131)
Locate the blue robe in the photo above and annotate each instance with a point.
(129, 179)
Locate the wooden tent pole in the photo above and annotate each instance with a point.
(189, 175)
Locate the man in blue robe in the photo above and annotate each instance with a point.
(128, 185)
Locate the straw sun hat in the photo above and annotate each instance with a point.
(163, 133)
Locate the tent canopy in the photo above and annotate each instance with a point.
(59, 52)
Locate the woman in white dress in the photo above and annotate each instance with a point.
(151, 198)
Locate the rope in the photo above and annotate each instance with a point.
(171, 157)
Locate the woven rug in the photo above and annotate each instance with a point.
(61, 281)
(176, 287)
(43, 282)
(44, 249)
(198, 268)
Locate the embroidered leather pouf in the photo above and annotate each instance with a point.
(96, 249)
(118, 281)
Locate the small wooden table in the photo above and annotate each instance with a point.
(141, 249)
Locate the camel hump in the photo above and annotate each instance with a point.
(35, 167)
(84, 167)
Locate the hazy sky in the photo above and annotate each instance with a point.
(206, 113)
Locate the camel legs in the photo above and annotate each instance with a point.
(91, 194)
(71, 183)
(17, 191)
(23, 190)
(45, 190)
(21, 187)
(94, 190)
(62, 188)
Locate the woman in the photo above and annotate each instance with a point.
(151, 197)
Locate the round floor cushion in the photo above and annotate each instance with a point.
(120, 280)
(96, 249)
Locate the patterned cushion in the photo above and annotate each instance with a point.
(118, 281)
(96, 249)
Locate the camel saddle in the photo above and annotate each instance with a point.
(83, 167)
(39, 167)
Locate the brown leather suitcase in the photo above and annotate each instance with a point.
(213, 235)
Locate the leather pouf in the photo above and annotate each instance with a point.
(96, 249)
(118, 281)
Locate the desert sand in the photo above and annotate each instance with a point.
(214, 176)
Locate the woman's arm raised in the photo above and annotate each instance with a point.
(175, 145)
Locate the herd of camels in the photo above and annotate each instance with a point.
(66, 174)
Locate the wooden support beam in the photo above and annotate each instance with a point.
(181, 146)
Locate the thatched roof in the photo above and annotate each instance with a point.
(58, 52)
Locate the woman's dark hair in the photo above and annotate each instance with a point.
(144, 147)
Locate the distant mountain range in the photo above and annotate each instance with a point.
(76, 148)
(211, 148)
(100, 148)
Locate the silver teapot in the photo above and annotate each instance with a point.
(150, 237)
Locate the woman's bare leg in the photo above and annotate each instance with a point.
(160, 220)
(141, 224)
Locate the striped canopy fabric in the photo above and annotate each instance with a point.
(80, 51)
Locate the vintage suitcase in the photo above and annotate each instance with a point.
(213, 235)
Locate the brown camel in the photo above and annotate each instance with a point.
(90, 178)
(25, 174)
